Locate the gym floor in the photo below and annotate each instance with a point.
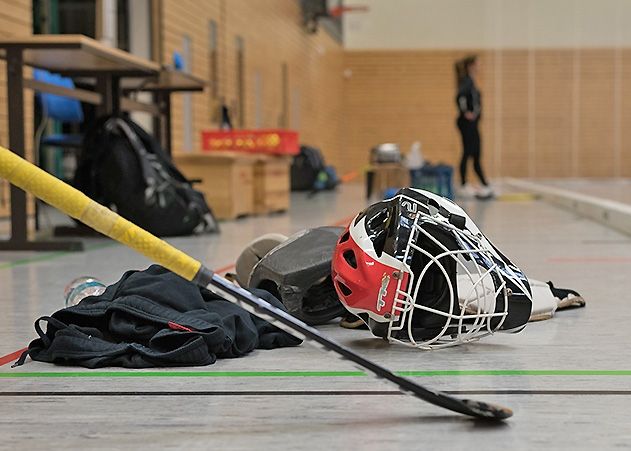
(559, 376)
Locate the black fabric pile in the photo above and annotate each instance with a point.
(153, 318)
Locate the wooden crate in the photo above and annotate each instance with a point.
(227, 180)
(387, 175)
(271, 184)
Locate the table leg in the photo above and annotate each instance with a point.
(108, 86)
(157, 121)
(162, 123)
(370, 179)
(15, 99)
(165, 102)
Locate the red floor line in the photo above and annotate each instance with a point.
(225, 269)
(9, 358)
(15, 355)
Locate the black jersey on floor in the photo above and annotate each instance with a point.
(153, 318)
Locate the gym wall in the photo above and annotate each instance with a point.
(555, 82)
(15, 20)
(547, 113)
(272, 35)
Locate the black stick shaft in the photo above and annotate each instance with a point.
(299, 329)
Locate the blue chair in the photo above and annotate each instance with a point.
(178, 61)
(59, 108)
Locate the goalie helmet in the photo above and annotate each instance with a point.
(417, 270)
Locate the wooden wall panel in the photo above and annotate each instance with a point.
(624, 166)
(596, 108)
(553, 113)
(514, 114)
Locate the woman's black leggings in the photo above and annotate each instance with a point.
(470, 148)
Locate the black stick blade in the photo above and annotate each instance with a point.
(470, 407)
(486, 410)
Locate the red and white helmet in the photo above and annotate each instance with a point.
(417, 270)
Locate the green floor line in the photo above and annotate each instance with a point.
(50, 256)
(96, 374)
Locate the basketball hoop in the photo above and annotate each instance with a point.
(316, 10)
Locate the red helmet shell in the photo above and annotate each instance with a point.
(363, 283)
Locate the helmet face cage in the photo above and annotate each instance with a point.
(454, 287)
(477, 302)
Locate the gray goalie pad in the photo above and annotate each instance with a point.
(298, 272)
(253, 253)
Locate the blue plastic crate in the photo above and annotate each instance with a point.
(437, 179)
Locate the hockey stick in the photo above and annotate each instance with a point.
(67, 199)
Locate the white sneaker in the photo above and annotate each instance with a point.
(485, 192)
(467, 191)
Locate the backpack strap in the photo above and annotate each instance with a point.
(155, 177)
(42, 336)
(148, 173)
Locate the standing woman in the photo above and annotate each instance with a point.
(470, 108)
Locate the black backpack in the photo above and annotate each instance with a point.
(123, 167)
(310, 173)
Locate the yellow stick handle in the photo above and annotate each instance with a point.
(73, 202)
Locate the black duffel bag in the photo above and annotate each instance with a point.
(309, 171)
